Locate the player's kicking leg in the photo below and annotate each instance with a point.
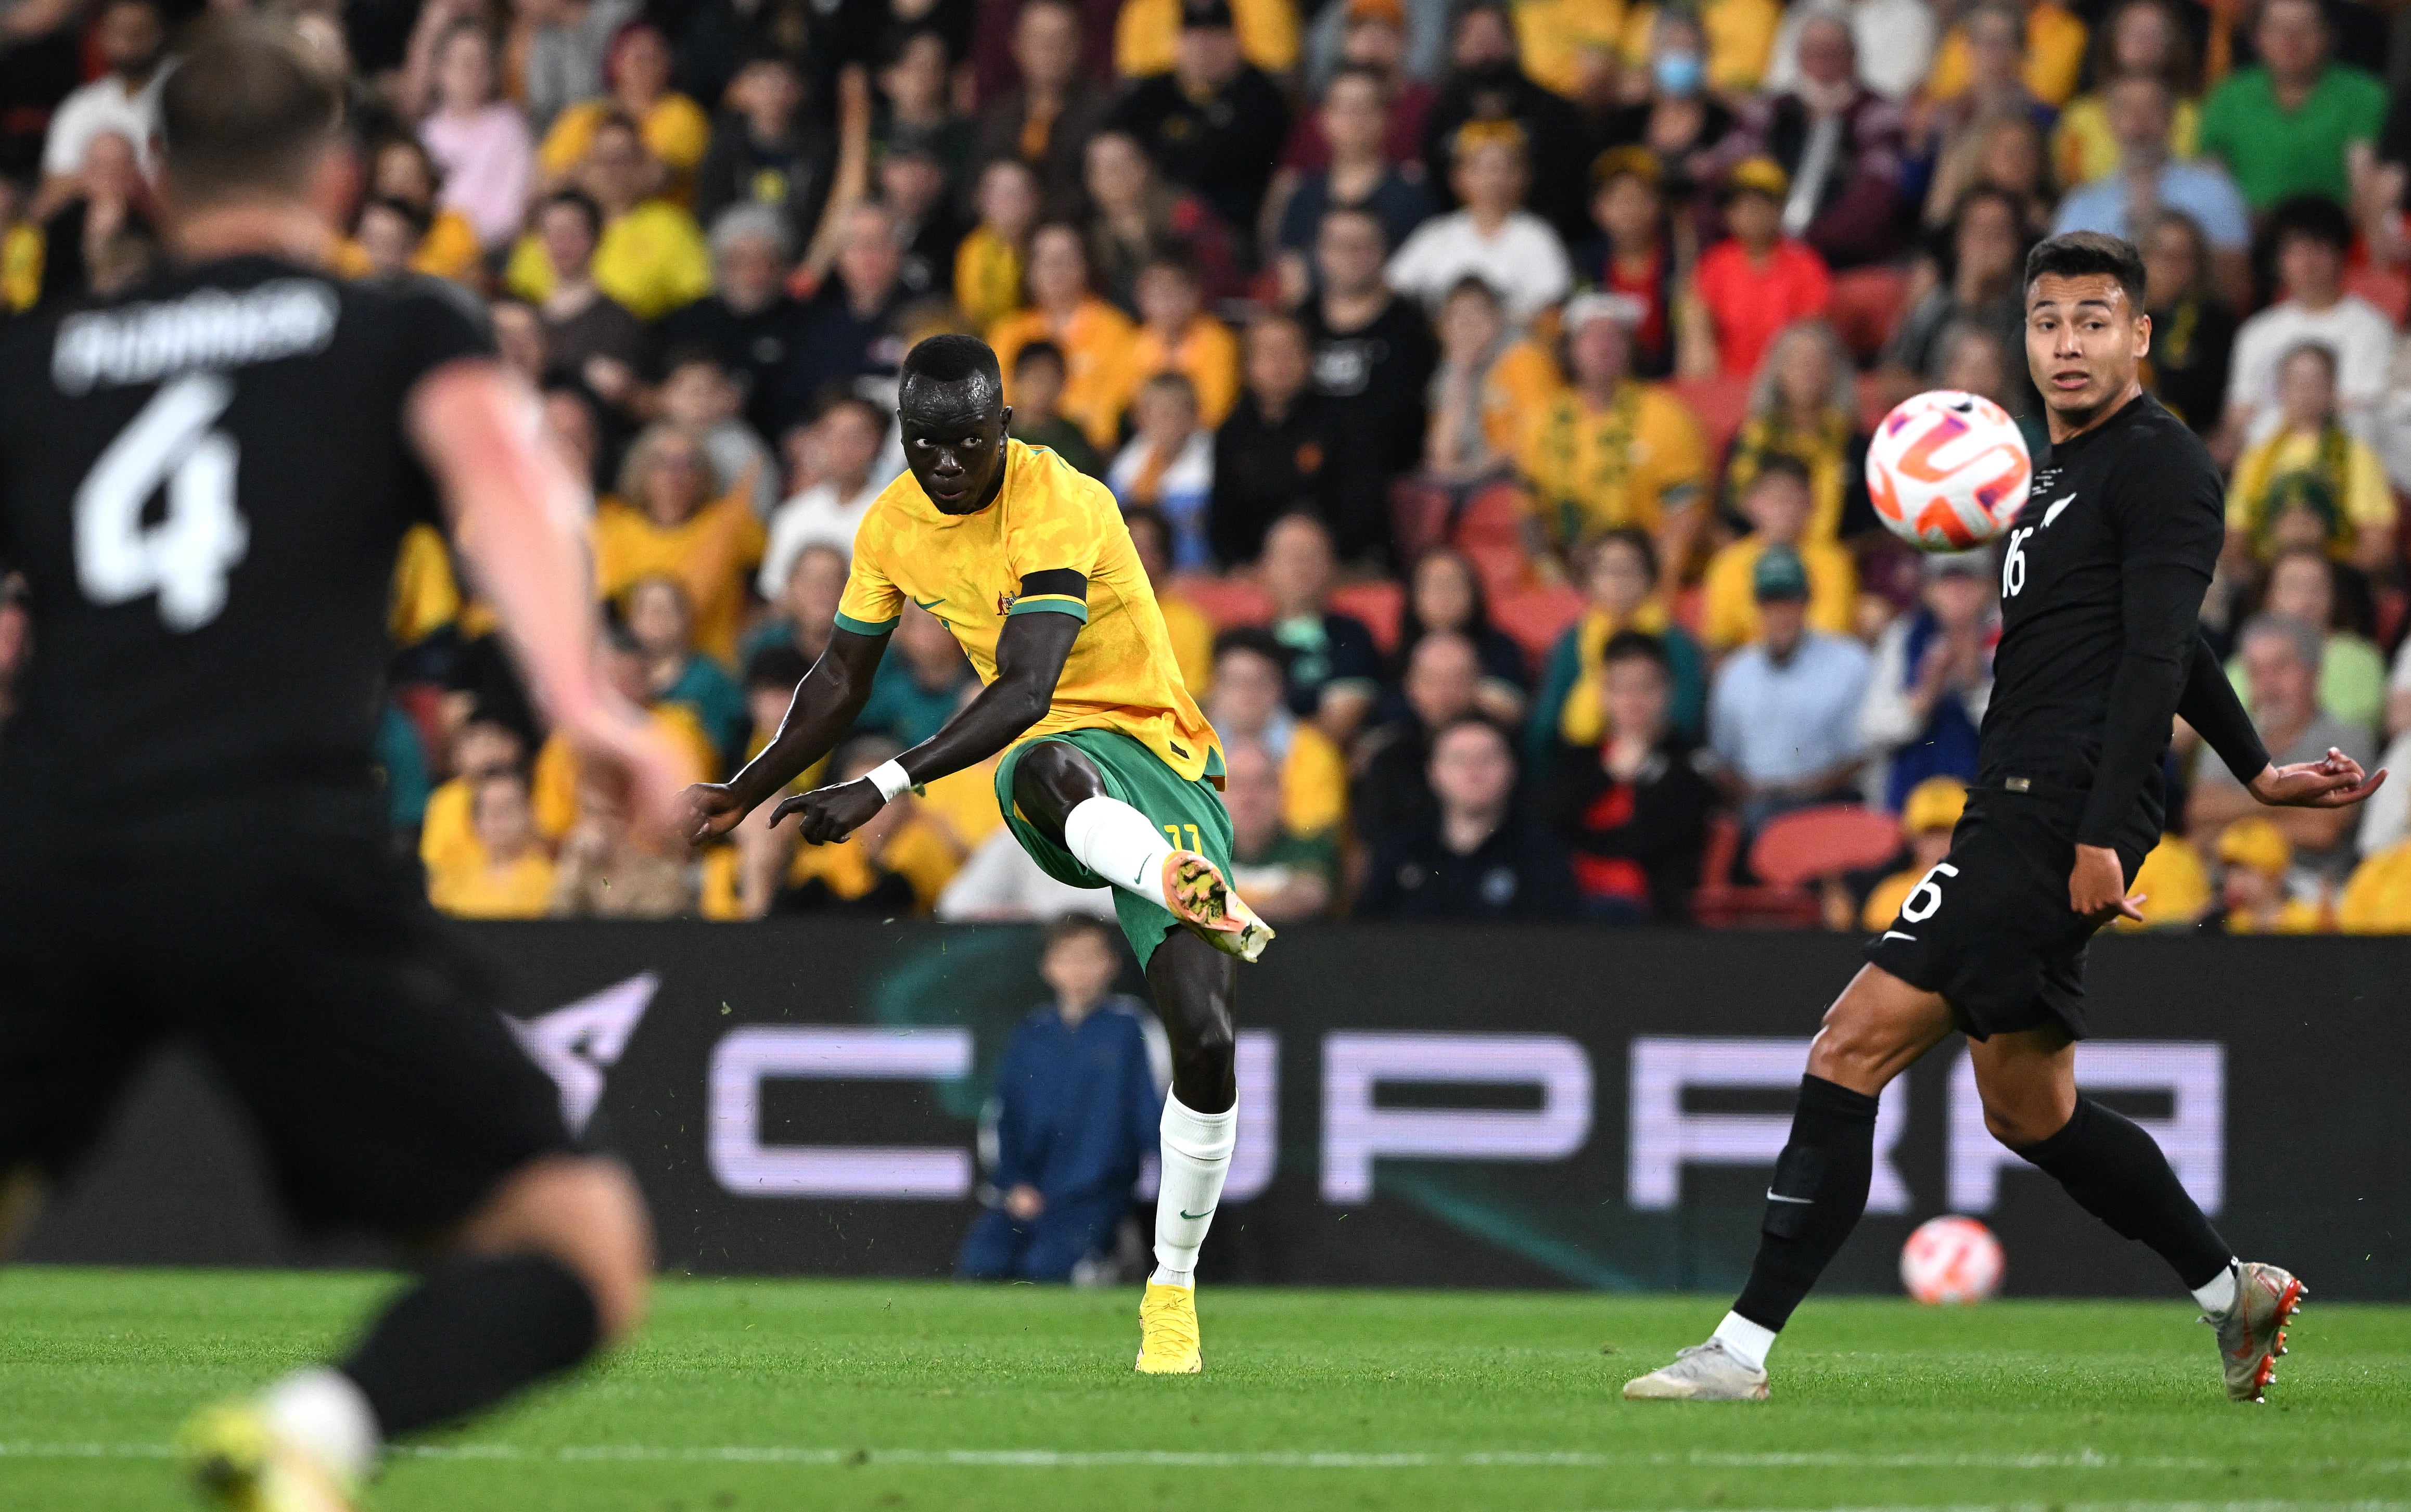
(1192, 973)
(552, 1267)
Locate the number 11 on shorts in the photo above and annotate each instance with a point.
(1197, 841)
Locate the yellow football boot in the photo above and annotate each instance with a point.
(1168, 1332)
(240, 1464)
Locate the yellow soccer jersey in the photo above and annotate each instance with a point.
(1052, 542)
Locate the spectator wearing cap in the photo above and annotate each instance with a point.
(1843, 147)
(1272, 454)
(1680, 120)
(1893, 42)
(1618, 574)
(1632, 806)
(1177, 335)
(1928, 813)
(1335, 672)
(637, 75)
(1357, 170)
(749, 320)
(768, 151)
(1401, 45)
(2254, 862)
(847, 437)
(1492, 236)
(1475, 857)
(1094, 336)
(1486, 81)
(1045, 121)
(1248, 708)
(1783, 717)
(2311, 236)
(2281, 660)
(672, 518)
(2288, 125)
(1758, 280)
(478, 140)
(2052, 41)
(2122, 203)
(1634, 254)
(1490, 377)
(2311, 484)
(1777, 503)
(1804, 404)
(131, 38)
(1037, 379)
(1373, 357)
(651, 258)
(1168, 465)
(1213, 122)
(852, 335)
(1136, 216)
(1610, 450)
(1932, 677)
(990, 263)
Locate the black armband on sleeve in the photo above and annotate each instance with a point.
(2211, 706)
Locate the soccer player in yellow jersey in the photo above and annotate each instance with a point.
(1109, 769)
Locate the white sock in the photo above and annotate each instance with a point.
(2217, 1294)
(323, 1410)
(1196, 1157)
(1746, 1340)
(1119, 844)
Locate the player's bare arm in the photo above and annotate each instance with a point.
(825, 705)
(1030, 657)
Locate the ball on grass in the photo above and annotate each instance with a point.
(1951, 1260)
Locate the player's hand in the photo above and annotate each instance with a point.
(831, 814)
(2096, 887)
(708, 811)
(2334, 781)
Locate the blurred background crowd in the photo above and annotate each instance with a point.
(1486, 385)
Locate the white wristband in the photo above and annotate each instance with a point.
(890, 780)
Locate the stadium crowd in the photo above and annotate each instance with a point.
(1486, 385)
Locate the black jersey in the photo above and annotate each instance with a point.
(2102, 578)
(205, 483)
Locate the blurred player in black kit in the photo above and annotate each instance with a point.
(2102, 578)
(205, 481)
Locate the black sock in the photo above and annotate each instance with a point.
(2118, 1173)
(471, 1334)
(1819, 1189)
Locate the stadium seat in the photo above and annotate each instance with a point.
(1377, 605)
(1227, 601)
(1720, 404)
(1535, 617)
(1812, 844)
(1868, 303)
(1490, 532)
(1720, 903)
(2388, 288)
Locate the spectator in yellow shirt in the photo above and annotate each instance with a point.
(1247, 708)
(1777, 504)
(1927, 818)
(2055, 51)
(559, 780)
(1740, 33)
(895, 864)
(672, 518)
(2141, 36)
(1178, 336)
(1804, 404)
(2378, 900)
(636, 72)
(508, 876)
(482, 748)
(651, 258)
(2313, 482)
(988, 266)
(403, 179)
(1610, 450)
(1095, 337)
(2172, 888)
(1192, 633)
(1147, 34)
(2257, 856)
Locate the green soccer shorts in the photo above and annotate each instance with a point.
(1191, 814)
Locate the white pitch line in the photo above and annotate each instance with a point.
(1305, 1460)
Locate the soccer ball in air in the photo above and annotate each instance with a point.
(1948, 471)
(1951, 1260)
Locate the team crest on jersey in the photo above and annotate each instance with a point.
(1004, 602)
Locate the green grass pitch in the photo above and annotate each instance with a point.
(770, 1394)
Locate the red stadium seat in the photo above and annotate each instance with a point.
(1490, 532)
(1719, 903)
(1812, 844)
(1535, 617)
(1868, 303)
(2388, 288)
(1720, 404)
(1227, 601)
(1377, 604)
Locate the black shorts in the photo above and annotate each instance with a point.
(279, 935)
(1989, 927)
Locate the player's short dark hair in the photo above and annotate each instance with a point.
(1636, 646)
(2311, 218)
(1040, 351)
(578, 200)
(952, 359)
(2085, 254)
(1252, 640)
(775, 666)
(1072, 926)
(245, 113)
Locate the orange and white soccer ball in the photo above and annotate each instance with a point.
(1951, 1260)
(1948, 471)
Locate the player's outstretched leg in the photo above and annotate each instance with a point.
(552, 1266)
(1874, 1031)
(2118, 1173)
